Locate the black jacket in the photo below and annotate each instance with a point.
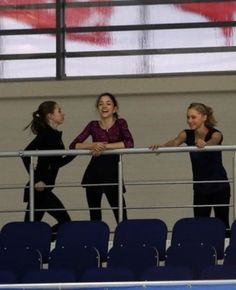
(47, 167)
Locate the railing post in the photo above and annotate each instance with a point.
(234, 185)
(31, 191)
(120, 186)
(60, 39)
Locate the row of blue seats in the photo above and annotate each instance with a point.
(152, 232)
(163, 273)
(138, 245)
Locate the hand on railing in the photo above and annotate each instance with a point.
(155, 147)
(200, 143)
(98, 148)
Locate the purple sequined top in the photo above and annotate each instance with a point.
(119, 132)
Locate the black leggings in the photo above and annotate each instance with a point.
(94, 199)
(47, 201)
(221, 212)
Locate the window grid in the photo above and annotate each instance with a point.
(61, 31)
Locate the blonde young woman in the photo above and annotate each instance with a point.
(205, 165)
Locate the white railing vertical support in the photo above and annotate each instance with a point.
(234, 185)
(120, 186)
(31, 190)
(121, 152)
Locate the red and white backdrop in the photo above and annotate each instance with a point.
(123, 15)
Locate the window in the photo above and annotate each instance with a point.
(59, 39)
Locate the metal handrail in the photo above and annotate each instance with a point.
(120, 152)
(142, 150)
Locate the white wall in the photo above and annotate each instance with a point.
(155, 109)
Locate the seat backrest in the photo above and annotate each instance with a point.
(230, 255)
(8, 277)
(19, 260)
(84, 234)
(203, 230)
(136, 259)
(167, 273)
(108, 275)
(232, 240)
(142, 232)
(75, 259)
(220, 272)
(33, 234)
(195, 256)
(49, 276)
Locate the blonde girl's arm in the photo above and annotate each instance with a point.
(215, 140)
(177, 141)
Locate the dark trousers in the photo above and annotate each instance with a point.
(94, 199)
(221, 212)
(45, 202)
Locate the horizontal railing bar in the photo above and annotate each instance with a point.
(128, 183)
(117, 28)
(228, 284)
(32, 56)
(179, 206)
(28, 31)
(110, 208)
(181, 149)
(137, 207)
(148, 27)
(176, 182)
(134, 52)
(161, 51)
(114, 3)
(137, 3)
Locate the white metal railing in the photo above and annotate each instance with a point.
(229, 284)
(120, 152)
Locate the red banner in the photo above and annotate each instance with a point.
(75, 17)
(217, 11)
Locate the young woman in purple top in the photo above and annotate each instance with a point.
(110, 132)
(205, 165)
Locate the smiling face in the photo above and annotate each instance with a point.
(106, 107)
(195, 119)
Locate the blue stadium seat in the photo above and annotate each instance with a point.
(203, 230)
(218, 272)
(142, 232)
(194, 256)
(75, 259)
(8, 277)
(19, 260)
(136, 259)
(84, 234)
(36, 235)
(167, 273)
(49, 276)
(117, 274)
(230, 255)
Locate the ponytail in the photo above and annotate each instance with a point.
(39, 117)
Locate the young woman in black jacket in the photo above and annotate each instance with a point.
(44, 124)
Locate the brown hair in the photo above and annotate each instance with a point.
(206, 111)
(39, 121)
(113, 99)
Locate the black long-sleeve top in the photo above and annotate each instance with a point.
(47, 167)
